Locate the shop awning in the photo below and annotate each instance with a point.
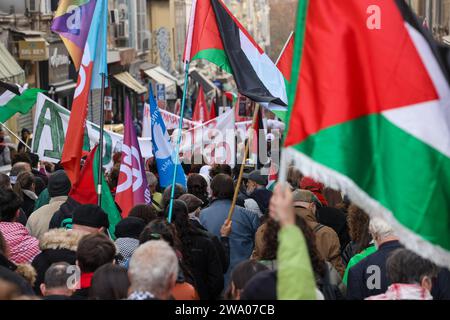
(127, 80)
(66, 85)
(159, 75)
(10, 71)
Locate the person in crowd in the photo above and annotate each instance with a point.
(25, 187)
(327, 240)
(94, 250)
(240, 276)
(294, 176)
(56, 245)
(220, 169)
(411, 277)
(22, 247)
(25, 134)
(358, 276)
(153, 271)
(109, 282)
(315, 187)
(222, 245)
(179, 190)
(5, 182)
(160, 229)
(5, 154)
(34, 162)
(336, 220)
(58, 188)
(144, 212)
(199, 253)
(245, 222)
(362, 244)
(56, 285)
(90, 218)
(22, 158)
(257, 193)
(127, 234)
(333, 197)
(113, 178)
(198, 186)
(152, 181)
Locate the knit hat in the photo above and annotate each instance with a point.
(58, 184)
(90, 215)
(130, 227)
(192, 202)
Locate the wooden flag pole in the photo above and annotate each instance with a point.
(241, 171)
(15, 135)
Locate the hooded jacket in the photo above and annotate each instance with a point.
(327, 240)
(57, 245)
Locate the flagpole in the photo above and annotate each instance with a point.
(284, 48)
(15, 136)
(180, 127)
(100, 147)
(241, 171)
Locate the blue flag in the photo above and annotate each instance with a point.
(162, 148)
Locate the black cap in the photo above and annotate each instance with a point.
(130, 227)
(263, 286)
(256, 176)
(90, 215)
(58, 184)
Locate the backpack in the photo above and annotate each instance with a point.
(330, 291)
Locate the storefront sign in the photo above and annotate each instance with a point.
(33, 50)
(58, 63)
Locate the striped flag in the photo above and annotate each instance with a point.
(11, 103)
(369, 114)
(89, 77)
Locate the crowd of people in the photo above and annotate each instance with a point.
(300, 241)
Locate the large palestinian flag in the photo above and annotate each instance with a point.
(369, 114)
(217, 36)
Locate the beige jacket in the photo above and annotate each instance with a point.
(39, 220)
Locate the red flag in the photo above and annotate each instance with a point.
(212, 111)
(200, 111)
(83, 190)
(284, 62)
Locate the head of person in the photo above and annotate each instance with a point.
(158, 229)
(21, 157)
(57, 280)
(240, 276)
(10, 203)
(145, 212)
(16, 169)
(358, 225)
(90, 218)
(58, 184)
(381, 231)
(180, 218)
(197, 185)
(34, 160)
(129, 227)
(154, 268)
(406, 267)
(93, 251)
(305, 200)
(152, 181)
(315, 187)
(255, 180)
(109, 282)
(293, 177)
(222, 187)
(113, 177)
(25, 133)
(5, 182)
(25, 181)
(179, 190)
(193, 203)
(220, 169)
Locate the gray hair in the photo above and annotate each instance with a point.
(57, 275)
(379, 228)
(151, 178)
(153, 265)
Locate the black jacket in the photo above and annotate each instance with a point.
(336, 220)
(441, 286)
(27, 205)
(205, 266)
(57, 245)
(64, 214)
(373, 267)
(12, 277)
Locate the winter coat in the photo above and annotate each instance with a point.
(22, 247)
(441, 285)
(57, 245)
(327, 240)
(357, 288)
(42, 200)
(39, 220)
(357, 258)
(64, 214)
(244, 225)
(29, 198)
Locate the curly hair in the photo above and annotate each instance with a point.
(198, 186)
(270, 239)
(358, 225)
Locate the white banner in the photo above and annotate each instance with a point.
(50, 127)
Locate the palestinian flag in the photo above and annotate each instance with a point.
(84, 190)
(217, 36)
(11, 103)
(369, 114)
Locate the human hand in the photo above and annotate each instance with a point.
(281, 207)
(226, 229)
